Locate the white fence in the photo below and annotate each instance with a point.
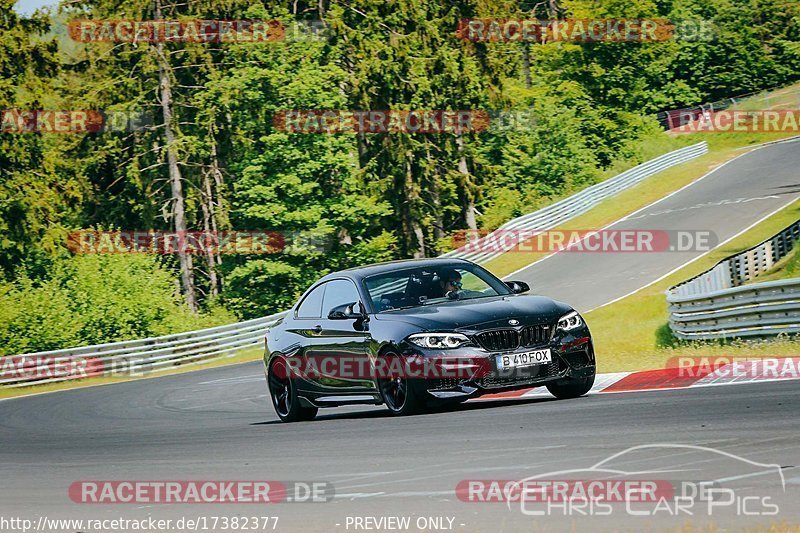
(577, 204)
(193, 347)
(715, 304)
(137, 357)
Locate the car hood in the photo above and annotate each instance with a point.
(480, 313)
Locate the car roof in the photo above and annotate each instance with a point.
(391, 266)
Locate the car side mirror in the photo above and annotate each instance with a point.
(353, 311)
(518, 287)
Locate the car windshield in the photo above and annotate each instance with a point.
(413, 287)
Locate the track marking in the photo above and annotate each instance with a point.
(237, 400)
(233, 380)
(676, 269)
(648, 206)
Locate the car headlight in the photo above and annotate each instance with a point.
(570, 321)
(441, 341)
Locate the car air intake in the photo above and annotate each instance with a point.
(499, 339)
(534, 335)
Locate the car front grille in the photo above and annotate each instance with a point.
(577, 359)
(498, 340)
(533, 335)
(445, 383)
(498, 381)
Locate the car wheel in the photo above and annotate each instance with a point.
(401, 395)
(571, 388)
(283, 392)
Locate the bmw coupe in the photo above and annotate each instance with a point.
(413, 334)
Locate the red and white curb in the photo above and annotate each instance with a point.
(701, 375)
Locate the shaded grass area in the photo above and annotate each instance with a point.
(633, 333)
(787, 267)
(244, 356)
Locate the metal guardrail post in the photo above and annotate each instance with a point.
(577, 204)
(716, 305)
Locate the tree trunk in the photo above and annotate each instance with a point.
(210, 228)
(175, 179)
(526, 65)
(214, 205)
(468, 202)
(438, 217)
(412, 229)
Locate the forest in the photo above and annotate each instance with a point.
(199, 142)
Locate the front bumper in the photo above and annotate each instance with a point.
(572, 357)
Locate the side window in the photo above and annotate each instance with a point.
(311, 305)
(338, 292)
(471, 282)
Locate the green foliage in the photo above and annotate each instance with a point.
(262, 284)
(35, 199)
(94, 299)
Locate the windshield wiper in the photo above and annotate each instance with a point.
(400, 308)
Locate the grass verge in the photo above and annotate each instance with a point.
(788, 267)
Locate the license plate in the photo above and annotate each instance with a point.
(514, 360)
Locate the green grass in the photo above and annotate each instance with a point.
(786, 98)
(250, 354)
(632, 334)
(788, 267)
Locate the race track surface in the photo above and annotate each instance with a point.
(724, 202)
(218, 425)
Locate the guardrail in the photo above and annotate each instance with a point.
(716, 304)
(678, 117)
(140, 356)
(193, 347)
(577, 204)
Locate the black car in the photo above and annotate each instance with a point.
(411, 334)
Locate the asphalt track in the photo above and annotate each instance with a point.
(725, 202)
(218, 425)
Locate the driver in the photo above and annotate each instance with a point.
(449, 281)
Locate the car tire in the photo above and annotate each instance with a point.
(402, 396)
(283, 392)
(571, 388)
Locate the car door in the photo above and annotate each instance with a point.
(306, 324)
(343, 341)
